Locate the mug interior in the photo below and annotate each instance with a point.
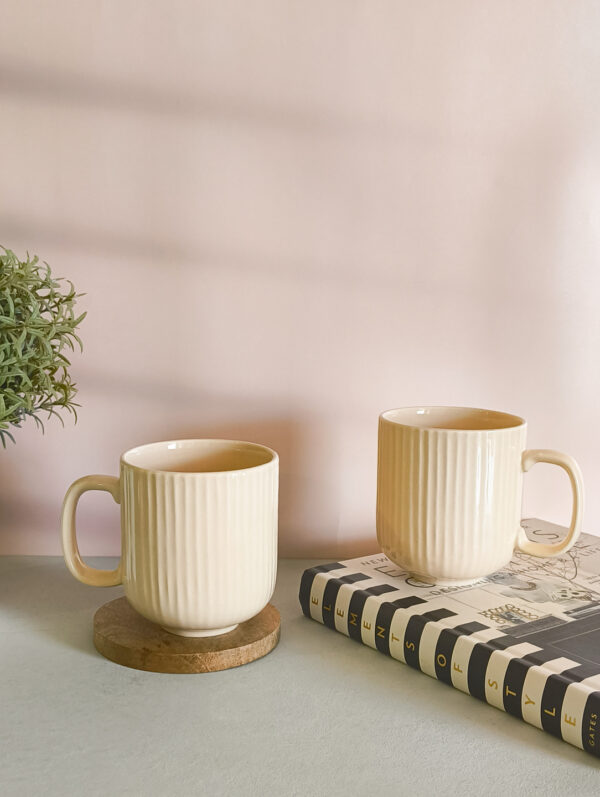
(198, 456)
(462, 418)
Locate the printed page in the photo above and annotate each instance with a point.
(530, 590)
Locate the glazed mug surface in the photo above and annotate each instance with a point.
(449, 490)
(198, 532)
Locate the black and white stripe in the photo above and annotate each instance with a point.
(531, 681)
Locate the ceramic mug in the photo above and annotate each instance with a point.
(198, 532)
(449, 489)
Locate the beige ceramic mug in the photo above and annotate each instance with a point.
(449, 489)
(198, 532)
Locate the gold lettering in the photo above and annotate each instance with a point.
(327, 608)
(456, 667)
(528, 700)
(441, 660)
(570, 720)
(339, 612)
(353, 617)
(315, 601)
(508, 692)
(550, 713)
(366, 625)
(410, 645)
(395, 638)
(492, 684)
(381, 632)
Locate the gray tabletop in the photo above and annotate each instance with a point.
(320, 715)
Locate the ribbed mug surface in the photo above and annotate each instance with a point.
(449, 499)
(199, 548)
(198, 532)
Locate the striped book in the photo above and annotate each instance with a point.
(525, 639)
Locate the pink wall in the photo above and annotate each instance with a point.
(289, 216)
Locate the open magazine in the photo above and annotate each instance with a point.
(525, 639)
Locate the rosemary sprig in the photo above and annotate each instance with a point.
(37, 326)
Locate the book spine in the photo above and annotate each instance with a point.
(538, 685)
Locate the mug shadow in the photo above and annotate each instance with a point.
(301, 495)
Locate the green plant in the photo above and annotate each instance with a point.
(37, 326)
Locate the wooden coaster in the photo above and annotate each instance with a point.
(124, 636)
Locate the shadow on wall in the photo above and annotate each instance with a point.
(308, 444)
(298, 441)
(134, 98)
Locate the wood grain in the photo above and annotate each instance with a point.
(125, 637)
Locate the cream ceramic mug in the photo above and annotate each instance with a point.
(198, 532)
(449, 489)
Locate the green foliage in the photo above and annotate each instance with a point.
(37, 326)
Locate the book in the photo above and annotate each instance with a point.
(525, 639)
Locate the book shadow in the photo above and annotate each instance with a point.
(442, 708)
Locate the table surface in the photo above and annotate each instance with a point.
(320, 715)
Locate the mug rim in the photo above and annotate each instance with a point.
(512, 421)
(162, 444)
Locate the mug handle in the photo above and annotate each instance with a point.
(568, 464)
(81, 571)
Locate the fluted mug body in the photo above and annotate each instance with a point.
(449, 491)
(199, 533)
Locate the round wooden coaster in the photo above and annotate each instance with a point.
(124, 636)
